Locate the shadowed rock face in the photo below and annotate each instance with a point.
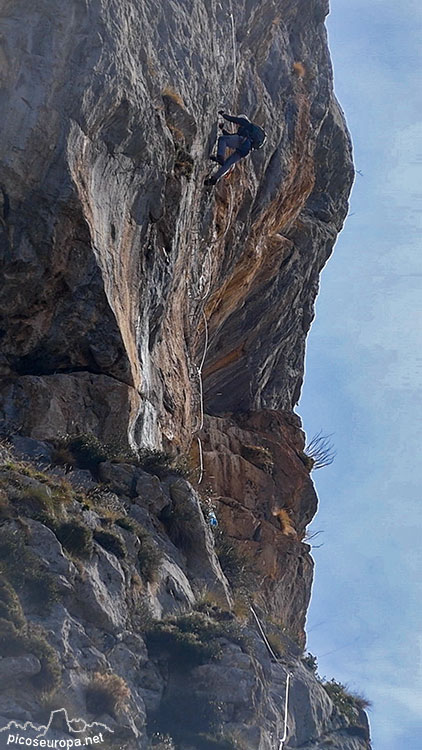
(134, 300)
(112, 253)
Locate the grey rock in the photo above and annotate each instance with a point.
(100, 595)
(309, 706)
(150, 494)
(81, 479)
(203, 565)
(119, 477)
(230, 685)
(12, 709)
(46, 545)
(174, 592)
(91, 519)
(27, 448)
(13, 668)
(140, 514)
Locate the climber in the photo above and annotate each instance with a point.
(248, 136)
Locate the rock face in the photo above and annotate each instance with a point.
(114, 256)
(143, 309)
(134, 625)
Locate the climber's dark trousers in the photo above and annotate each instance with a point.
(224, 142)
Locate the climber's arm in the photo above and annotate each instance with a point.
(231, 118)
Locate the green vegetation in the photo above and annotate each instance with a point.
(25, 490)
(185, 650)
(75, 537)
(161, 463)
(17, 637)
(84, 451)
(319, 452)
(236, 564)
(141, 615)
(311, 662)
(191, 639)
(10, 606)
(104, 502)
(111, 542)
(348, 703)
(127, 523)
(106, 694)
(25, 571)
(149, 556)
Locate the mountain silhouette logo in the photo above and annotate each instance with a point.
(58, 721)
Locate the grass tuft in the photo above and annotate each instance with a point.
(111, 542)
(169, 93)
(75, 538)
(17, 637)
(149, 556)
(25, 571)
(236, 564)
(106, 694)
(347, 702)
(193, 638)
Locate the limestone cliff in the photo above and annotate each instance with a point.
(140, 309)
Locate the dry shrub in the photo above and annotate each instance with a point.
(299, 69)
(170, 93)
(241, 607)
(286, 522)
(106, 694)
(261, 457)
(236, 563)
(177, 134)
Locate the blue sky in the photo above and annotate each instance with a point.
(363, 375)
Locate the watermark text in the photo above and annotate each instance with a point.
(17, 739)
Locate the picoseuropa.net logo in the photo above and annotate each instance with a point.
(60, 732)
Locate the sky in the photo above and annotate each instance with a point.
(363, 375)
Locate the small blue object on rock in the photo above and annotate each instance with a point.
(212, 519)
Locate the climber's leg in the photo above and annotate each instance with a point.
(233, 158)
(227, 141)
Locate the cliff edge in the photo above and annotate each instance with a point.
(153, 335)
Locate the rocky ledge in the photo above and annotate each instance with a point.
(119, 603)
